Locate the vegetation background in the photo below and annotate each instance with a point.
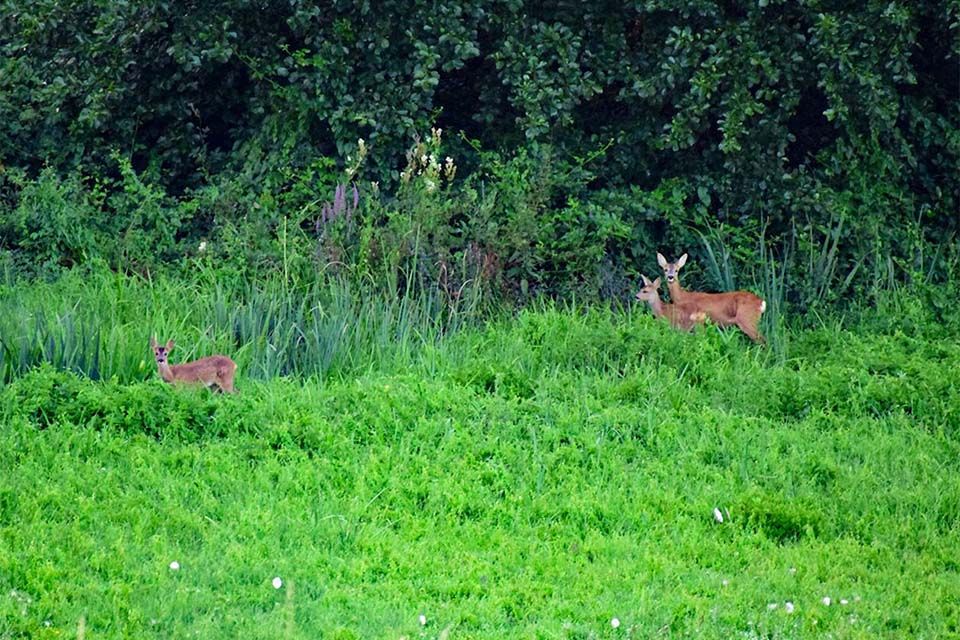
(817, 140)
(417, 227)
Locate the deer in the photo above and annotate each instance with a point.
(212, 371)
(680, 316)
(740, 308)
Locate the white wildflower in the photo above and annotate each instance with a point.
(717, 514)
(788, 607)
(174, 566)
(277, 582)
(423, 620)
(771, 606)
(615, 623)
(826, 601)
(844, 601)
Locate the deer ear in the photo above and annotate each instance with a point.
(153, 342)
(661, 261)
(656, 283)
(646, 280)
(169, 346)
(682, 261)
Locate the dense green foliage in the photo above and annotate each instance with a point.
(535, 478)
(817, 140)
(349, 199)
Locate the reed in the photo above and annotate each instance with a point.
(99, 324)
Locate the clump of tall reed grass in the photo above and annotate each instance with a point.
(806, 280)
(99, 324)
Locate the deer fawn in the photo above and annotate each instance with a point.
(741, 308)
(680, 316)
(212, 371)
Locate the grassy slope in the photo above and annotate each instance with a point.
(535, 479)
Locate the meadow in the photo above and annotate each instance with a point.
(408, 471)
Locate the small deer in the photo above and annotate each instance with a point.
(680, 316)
(212, 371)
(741, 308)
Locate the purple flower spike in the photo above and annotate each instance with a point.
(339, 207)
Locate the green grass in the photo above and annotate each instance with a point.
(99, 324)
(532, 478)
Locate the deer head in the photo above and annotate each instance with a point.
(161, 352)
(671, 269)
(650, 290)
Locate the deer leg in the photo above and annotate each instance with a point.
(750, 328)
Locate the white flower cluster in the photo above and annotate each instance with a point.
(422, 162)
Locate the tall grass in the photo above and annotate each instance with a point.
(807, 282)
(99, 324)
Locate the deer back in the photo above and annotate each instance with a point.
(205, 369)
(722, 308)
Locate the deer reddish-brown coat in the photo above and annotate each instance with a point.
(740, 308)
(680, 316)
(212, 371)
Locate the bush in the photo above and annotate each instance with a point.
(49, 398)
(55, 223)
(822, 139)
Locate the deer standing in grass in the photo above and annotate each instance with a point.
(741, 308)
(680, 316)
(212, 371)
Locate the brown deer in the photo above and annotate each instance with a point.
(741, 308)
(212, 371)
(680, 316)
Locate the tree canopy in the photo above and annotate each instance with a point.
(758, 114)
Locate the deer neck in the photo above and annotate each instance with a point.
(676, 291)
(656, 305)
(166, 373)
